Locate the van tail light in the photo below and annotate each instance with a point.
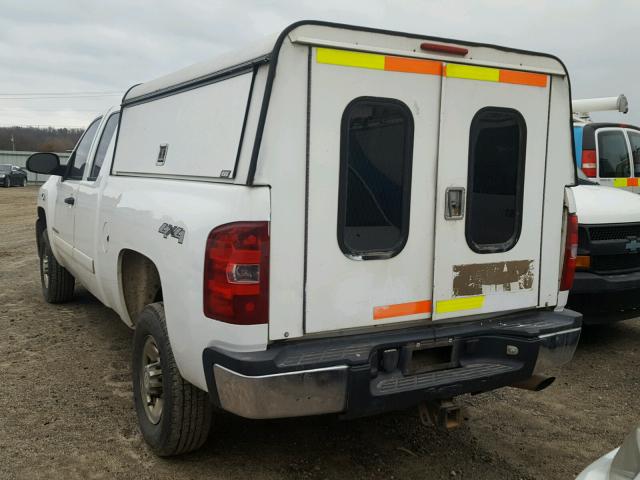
(570, 253)
(236, 273)
(589, 163)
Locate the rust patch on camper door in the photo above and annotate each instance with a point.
(483, 278)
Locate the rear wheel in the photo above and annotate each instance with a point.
(57, 283)
(174, 416)
(7, 182)
(24, 182)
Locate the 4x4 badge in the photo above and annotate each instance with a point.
(176, 232)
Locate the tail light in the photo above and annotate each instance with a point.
(236, 273)
(589, 165)
(570, 253)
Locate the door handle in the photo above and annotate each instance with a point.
(70, 201)
(454, 203)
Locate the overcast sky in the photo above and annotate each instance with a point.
(84, 47)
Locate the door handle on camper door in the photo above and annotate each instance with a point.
(70, 201)
(454, 203)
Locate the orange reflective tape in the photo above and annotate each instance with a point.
(523, 78)
(632, 182)
(412, 65)
(401, 309)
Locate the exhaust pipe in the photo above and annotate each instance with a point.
(535, 383)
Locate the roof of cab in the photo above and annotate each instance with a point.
(267, 49)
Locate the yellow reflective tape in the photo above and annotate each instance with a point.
(619, 182)
(457, 304)
(350, 59)
(469, 72)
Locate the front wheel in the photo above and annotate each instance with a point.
(24, 182)
(57, 283)
(174, 416)
(7, 182)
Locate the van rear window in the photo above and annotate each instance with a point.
(375, 177)
(613, 156)
(634, 140)
(497, 148)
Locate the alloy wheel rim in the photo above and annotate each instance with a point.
(151, 380)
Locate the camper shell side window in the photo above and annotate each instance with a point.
(376, 148)
(497, 150)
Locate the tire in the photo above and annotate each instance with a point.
(23, 183)
(57, 283)
(7, 182)
(182, 422)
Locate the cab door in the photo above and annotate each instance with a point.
(66, 198)
(491, 170)
(86, 222)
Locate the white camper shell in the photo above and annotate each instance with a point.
(341, 220)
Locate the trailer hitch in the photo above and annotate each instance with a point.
(441, 414)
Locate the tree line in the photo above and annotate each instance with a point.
(39, 139)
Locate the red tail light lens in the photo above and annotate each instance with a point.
(236, 273)
(570, 253)
(589, 165)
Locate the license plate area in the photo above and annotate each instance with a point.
(422, 357)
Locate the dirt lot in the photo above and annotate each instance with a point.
(66, 408)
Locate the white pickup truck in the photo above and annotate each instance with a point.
(338, 220)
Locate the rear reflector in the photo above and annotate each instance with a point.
(570, 253)
(236, 273)
(438, 47)
(589, 165)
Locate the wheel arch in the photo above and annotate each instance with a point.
(140, 282)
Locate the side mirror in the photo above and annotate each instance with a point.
(45, 163)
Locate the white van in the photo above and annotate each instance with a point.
(607, 153)
(338, 220)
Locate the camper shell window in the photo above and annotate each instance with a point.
(375, 177)
(497, 147)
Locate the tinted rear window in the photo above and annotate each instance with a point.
(375, 177)
(634, 140)
(497, 147)
(613, 157)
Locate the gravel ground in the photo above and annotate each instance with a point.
(66, 408)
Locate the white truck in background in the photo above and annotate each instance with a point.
(606, 287)
(338, 220)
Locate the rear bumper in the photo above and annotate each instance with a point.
(590, 283)
(345, 374)
(606, 298)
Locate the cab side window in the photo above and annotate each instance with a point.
(78, 159)
(634, 140)
(613, 157)
(105, 140)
